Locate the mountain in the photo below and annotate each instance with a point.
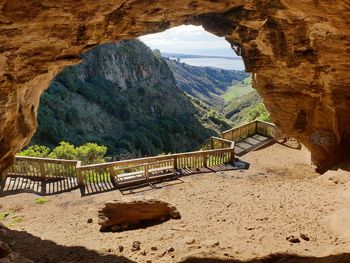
(124, 96)
(205, 83)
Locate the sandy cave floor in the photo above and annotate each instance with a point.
(231, 215)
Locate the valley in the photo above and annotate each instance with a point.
(137, 103)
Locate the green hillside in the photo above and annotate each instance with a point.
(246, 108)
(238, 89)
(123, 96)
(207, 84)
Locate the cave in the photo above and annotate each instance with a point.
(296, 51)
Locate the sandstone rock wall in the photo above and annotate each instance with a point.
(297, 50)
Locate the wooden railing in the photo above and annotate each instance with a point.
(41, 169)
(267, 129)
(219, 143)
(142, 169)
(244, 131)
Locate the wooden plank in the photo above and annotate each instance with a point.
(27, 158)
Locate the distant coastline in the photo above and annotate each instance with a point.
(211, 61)
(178, 55)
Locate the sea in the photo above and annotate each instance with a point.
(224, 63)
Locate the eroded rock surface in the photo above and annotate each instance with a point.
(119, 215)
(297, 50)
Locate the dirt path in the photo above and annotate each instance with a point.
(229, 215)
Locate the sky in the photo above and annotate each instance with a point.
(189, 40)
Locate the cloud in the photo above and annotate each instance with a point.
(188, 40)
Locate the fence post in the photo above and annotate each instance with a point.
(175, 163)
(232, 160)
(80, 178)
(146, 171)
(205, 160)
(113, 176)
(42, 170)
(42, 175)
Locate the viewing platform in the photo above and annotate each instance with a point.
(51, 176)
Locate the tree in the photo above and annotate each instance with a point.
(91, 153)
(64, 151)
(35, 151)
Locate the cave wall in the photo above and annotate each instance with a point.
(298, 52)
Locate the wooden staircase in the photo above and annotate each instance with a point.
(251, 136)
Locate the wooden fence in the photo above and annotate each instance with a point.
(120, 173)
(41, 169)
(146, 170)
(219, 143)
(244, 131)
(142, 170)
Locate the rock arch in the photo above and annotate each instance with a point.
(297, 50)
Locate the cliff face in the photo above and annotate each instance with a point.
(205, 83)
(297, 50)
(123, 96)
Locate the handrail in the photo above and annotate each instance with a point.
(18, 157)
(150, 159)
(224, 154)
(267, 123)
(223, 140)
(240, 126)
(245, 130)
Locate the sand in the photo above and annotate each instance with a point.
(235, 216)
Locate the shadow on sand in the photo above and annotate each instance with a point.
(17, 185)
(277, 258)
(47, 251)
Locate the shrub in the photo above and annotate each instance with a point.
(91, 153)
(64, 151)
(35, 151)
(41, 200)
(259, 112)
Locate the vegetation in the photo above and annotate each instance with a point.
(135, 103)
(41, 200)
(89, 153)
(258, 112)
(64, 151)
(122, 96)
(205, 83)
(239, 89)
(15, 220)
(9, 218)
(246, 108)
(36, 151)
(3, 215)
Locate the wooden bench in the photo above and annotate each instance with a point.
(145, 173)
(122, 178)
(165, 169)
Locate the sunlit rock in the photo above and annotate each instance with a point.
(297, 51)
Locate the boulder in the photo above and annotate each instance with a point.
(118, 215)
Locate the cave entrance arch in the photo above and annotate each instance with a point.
(277, 39)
